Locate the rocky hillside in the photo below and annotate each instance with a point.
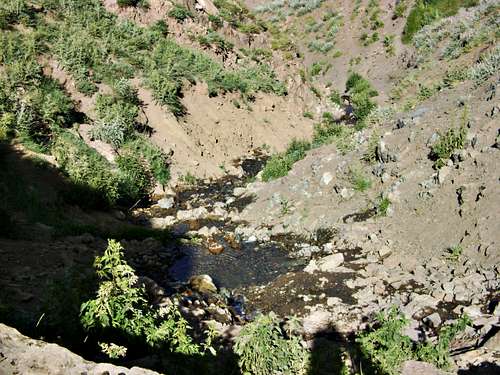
(297, 187)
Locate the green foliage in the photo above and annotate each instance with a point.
(135, 180)
(308, 115)
(425, 12)
(115, 120)
(439, 353)
(383, 205)
(280, 164)
(189, 179)
(488, 66)
(95, 183)
(335, 97)
(216, 21)
(180, 13)
(386, 346)
(157, 161)
(361, 93)
(359, 180)
(454, 253)
(389, 45)
(121, 305)
(264, 348)
(453, 139)
(127, 3)
(400, 9)
(212, 39)
(329, 132)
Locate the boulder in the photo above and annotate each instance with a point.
(202, 284)
(22, 355)
(330, 262)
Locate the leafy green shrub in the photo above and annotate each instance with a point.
(335, 97)
(280, 164)
(95, 183)
(157, 161)
(454, 139)
(135, 180)
(359, 181)
(454, 253)
(383, 204)
(115, 117)
(265, 349)
(387, 348)
(439, 353)
(221, 45)
(180, 13)
(487, 67)
(425, 12)
(122, 306)
(216, 21)
(400, 9)
(361, 93)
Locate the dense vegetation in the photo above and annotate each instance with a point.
(425, 12)
(95, 48)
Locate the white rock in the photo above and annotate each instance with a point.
(443, 173)
(194, 214)
(384, 251)
(311, 267)
(239, 191)
(317, 321)
(166, 203)
(332, 301)
(330, 262)
(326, 179)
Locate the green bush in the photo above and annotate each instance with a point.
(361, 93)
(122, 306)
(157, 161)
(116, 117)
(359, 180)
(135, 180)
(424, 12)
(180, 13)
(94, 182)
(453, 139)
(280, 164)
(387, 348)
(264, 348)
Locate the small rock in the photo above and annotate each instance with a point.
(333, 301)
(443, 173)
(473, 311)
(434, 320)
(202, 284)
(239, 191)
(384, 251)
(166, 203)
(311, 267)
(326, 179)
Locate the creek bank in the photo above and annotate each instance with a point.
(335, 279)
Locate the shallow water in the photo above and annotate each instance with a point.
(251, 265)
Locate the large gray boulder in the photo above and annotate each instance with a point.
(21, 355)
